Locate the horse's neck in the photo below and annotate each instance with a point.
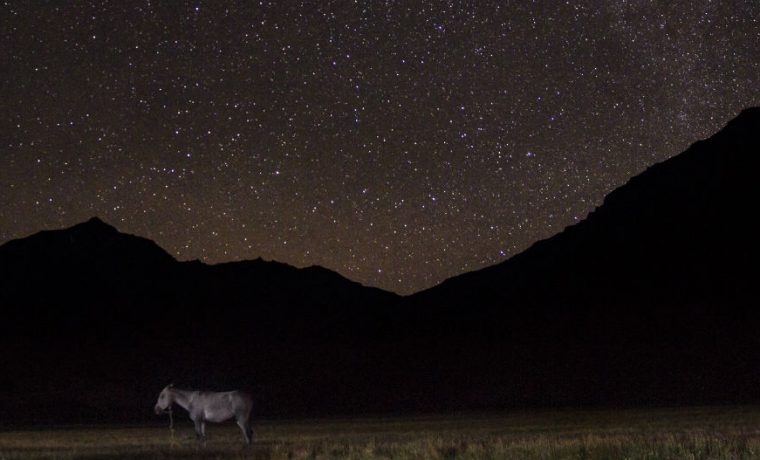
(182, 398)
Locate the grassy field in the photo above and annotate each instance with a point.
(694, 433)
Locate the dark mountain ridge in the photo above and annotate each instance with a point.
(649, 300)
(97, 253)
(689, 214)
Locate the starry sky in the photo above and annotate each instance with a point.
(397, 142)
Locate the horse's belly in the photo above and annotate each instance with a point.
(214, 416)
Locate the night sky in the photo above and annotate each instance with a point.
(398, 143)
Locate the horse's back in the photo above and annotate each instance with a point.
(238, 402)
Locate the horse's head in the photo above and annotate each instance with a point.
(165, 399)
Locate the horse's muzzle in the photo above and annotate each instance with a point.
(158, 410)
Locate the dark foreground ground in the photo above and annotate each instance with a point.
(694, 433)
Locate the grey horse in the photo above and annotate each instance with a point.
(209, 406)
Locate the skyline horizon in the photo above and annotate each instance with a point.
(398, 144)
(100, 220)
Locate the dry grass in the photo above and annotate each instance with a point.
(696, 433)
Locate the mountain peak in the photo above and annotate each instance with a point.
(96, 225)
(95, 220)
(743, 127)
(750, 112)
(93, 241)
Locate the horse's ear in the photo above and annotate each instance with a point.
(171, 385)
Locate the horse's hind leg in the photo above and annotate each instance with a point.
(200, 431)
(245, 425)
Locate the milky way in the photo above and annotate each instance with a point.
(398, 143)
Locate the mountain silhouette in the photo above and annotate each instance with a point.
(649, 300)
(93, 260)
(682, 229)
(90, 307)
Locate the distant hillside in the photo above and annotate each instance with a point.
(651, 298)
(683, 231)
